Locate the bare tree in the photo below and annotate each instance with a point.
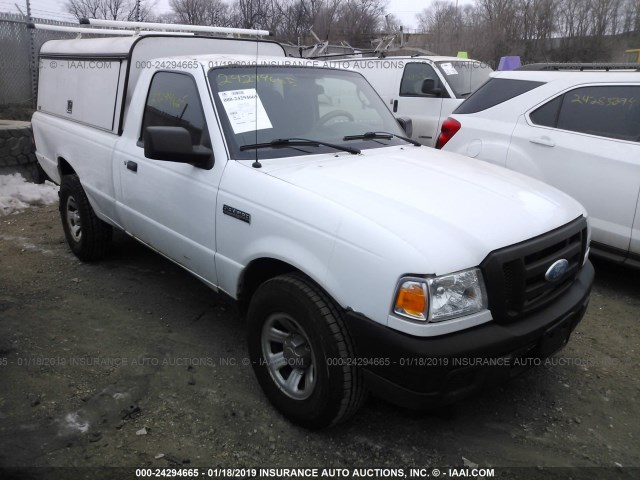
(442, 22)
(252, 13)
(537, 30)
(538, 26)
(218, 14)
(630, 17)
(359, 21)
(201, 12)
(297, 19)
(191, 12)
(85, 8)
(109, 9)
(325, 15)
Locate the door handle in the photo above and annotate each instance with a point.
(546, 141)
(395, 106)
(131, 165)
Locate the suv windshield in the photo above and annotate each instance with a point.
(267, 104)
(464, 77)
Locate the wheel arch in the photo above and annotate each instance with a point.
(298, 306)
(64, 167)
(256, 273)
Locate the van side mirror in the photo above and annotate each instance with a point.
(406, 124)
(173, 144)
(429, 88)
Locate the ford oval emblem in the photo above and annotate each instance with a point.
(556, 270)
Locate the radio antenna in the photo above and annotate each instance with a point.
(256, 163)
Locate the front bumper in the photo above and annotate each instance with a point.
(418, 372)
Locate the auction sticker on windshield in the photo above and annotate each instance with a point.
(245, 110)
(448, 69)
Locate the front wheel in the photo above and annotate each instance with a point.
(302, 354)
(88, 236)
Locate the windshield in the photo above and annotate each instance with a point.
(266, 103)
(464, 78)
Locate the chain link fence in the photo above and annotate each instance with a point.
(19, 47)
(15, 57)
(18, 59)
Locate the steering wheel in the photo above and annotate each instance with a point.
(334, 114)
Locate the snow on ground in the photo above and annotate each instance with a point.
(17, 194)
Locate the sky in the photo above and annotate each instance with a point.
(405, 10)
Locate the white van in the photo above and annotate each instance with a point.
(425, 89)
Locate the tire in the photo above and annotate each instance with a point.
(88, 237)
(300, 351)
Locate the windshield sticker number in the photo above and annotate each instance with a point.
(448, 69)
(245, 110)
(251, 79)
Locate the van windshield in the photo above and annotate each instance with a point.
(464, 77)
(266, 104)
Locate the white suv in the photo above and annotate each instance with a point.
(576, 130)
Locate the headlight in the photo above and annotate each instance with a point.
(456, 295)
(441, 298)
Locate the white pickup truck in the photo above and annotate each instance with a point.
(363, 262)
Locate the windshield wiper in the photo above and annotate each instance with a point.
(381, 136)
(298, 142)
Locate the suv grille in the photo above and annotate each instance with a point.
(515, 275)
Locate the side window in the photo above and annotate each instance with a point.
(611, 111)
(547, 114)
(495, 92)
(173, 101)
(413, 77)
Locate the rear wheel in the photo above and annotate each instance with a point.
(301, 352)
(87, 235)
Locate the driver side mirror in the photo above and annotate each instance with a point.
(173, 144)
(429, 88)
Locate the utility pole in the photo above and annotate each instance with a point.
(137, 10)
(32, 57)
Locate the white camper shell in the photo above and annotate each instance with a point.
(84, 80)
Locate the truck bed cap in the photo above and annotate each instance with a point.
(109, 47)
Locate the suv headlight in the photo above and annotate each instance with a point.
(436, 299)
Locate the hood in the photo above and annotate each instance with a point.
(445, 206)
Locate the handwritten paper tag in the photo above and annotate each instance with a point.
(245, 110)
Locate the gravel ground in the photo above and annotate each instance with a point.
(131, 362)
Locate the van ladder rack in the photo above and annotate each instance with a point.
(169, 27)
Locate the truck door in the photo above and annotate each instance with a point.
(170, 206)
(423, 108)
